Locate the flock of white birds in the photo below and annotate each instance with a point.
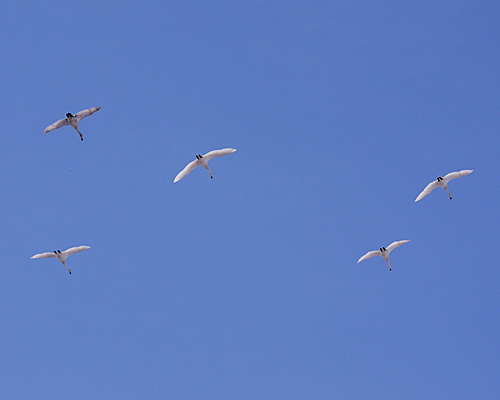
(202, 160)
(439, 182)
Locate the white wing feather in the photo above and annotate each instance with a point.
(85, 113)
(218, 153)
(187, 170)
(393, 245)
(370, 254)
(44, 255)
(454, 175)
(429, 188)
(57, 125)
(74, 250)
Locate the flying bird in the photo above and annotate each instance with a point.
(203, 161)
(384, 252)
(62, 256)
(72, 120)
(442, 182)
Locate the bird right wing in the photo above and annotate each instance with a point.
(187, 170)
(57, 125)
(454, 175)
(393, 245)
(73, 250)
(44, 255)
(218, 153)
(85, 113)
(370, 254)
(429, 188)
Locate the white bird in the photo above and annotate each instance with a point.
(442, 182)
(72, 120)
(384, 252)
(62, 256)
(203, 161)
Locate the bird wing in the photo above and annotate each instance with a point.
(429, 188)
(187, 170)
(57, 125)
(218, 153)
(44, 255)
(74, 250)
(370, 254)
(393, 245)
(85, 113)
(454, 175)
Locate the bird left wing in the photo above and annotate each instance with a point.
(187, 170)
(429, 188)
(393, 245)
(85, 113)
(74, 250)
(44, 255)
(57, 125)
(218, 153)
(454, 175)
(370, 254)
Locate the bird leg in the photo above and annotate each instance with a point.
(64, 262)
(81, 136)
(390, 268)
(211, 177)
(448, 192)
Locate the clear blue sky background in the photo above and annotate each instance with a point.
(246, 286)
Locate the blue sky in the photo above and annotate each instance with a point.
(246, 286)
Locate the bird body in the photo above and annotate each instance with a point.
(442, 182)
(202, 160)
(72, 120)
(384, 252)
(62, 256)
